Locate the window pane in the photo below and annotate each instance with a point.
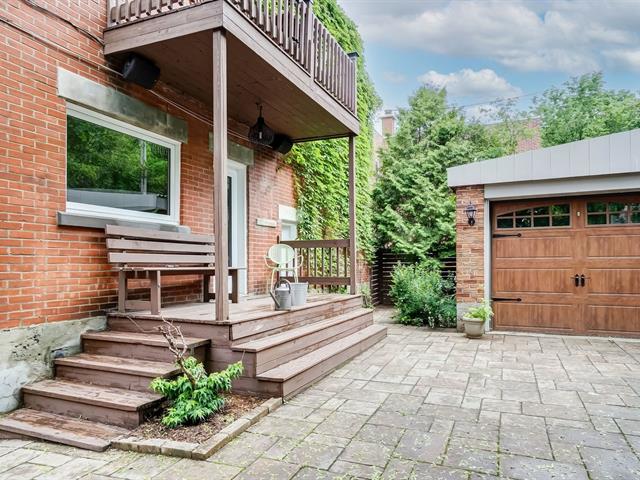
(635, 217)
(635, 206)
(616, 207)
(596, 207)
(618, 217)
(541, 211)
(559, 209)
(113, 169)
(510, 214)
(524, 222)
(540, 221)
(505, 223)
(560, 221)
(523, 213)
(597, 219)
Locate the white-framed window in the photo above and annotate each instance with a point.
(289, 220)
(117, 170)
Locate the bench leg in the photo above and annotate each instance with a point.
(235, 294)
(206, 288)
(122, 291)
(156, 287)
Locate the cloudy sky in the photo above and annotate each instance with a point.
(487, 49)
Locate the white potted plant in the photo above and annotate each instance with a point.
(475, 318)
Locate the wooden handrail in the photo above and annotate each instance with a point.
(290, 24)
(324, 263)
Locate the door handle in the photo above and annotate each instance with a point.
(583, 280)
(576, 280)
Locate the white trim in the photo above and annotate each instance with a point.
(571, 186)
(238, 173)
(607, 155)
(287, 213)
(487, 257)
(98, 211)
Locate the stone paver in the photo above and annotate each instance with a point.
(420, 404)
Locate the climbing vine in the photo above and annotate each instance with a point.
(321, 167)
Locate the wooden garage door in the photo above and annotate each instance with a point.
(567, 265)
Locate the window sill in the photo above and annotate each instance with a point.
(70, 219)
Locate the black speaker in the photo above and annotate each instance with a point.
(141, 71)
(281, 143)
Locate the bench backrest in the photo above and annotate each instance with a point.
(144, 247)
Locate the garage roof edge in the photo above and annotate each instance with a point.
(606, 155)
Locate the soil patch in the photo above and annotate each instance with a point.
(235, 407)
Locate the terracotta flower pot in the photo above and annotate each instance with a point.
(473, 327)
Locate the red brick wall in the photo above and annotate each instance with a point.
(50, 273)
(469, 246)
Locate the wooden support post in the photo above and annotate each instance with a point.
(353, 252)
(220, 173)
(122, 291)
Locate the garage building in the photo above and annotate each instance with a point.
(556, 239)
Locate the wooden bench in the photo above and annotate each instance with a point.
(143, 253)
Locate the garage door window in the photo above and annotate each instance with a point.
(536, 217)
(612, 213)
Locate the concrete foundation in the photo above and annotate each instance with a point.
(27, 353)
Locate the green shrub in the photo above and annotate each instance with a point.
(194, 396)
(422, 296)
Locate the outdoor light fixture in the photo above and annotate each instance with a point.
(471, 211)
(260, 133)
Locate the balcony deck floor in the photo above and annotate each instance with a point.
(249, 309)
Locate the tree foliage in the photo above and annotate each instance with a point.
(321, 167)
(584, 108)
(414, 208)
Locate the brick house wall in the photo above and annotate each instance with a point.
(50, 273)
(469, 248)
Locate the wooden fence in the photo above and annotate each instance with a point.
(382, 268)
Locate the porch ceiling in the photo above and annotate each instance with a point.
(186, 64)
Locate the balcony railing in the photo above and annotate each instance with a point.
(289, 24)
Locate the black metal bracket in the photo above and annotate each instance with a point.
(503, 235)
(501, 299)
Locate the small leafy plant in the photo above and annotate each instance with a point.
(194, 396)
(481, 312)
(422, 296)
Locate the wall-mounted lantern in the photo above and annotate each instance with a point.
(471, 211)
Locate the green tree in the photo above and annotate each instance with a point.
(414, 208)
(584, 108)
(321, 167)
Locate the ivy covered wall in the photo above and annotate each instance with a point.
(321, 168)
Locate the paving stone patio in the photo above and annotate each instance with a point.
(422, 405)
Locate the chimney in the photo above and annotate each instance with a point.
(388, 122)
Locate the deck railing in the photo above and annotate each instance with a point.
(324, 263)
(290, 24)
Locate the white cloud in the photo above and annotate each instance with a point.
(534, 35)
(484, 84)
(627, 59)
(394, 77)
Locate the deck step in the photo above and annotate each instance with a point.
(141, 346)
(113, 406)
(304, 370)
(119, 372)
(60, 429)
(274, 350)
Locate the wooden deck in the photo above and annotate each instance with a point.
(250, 309)
(98, 393)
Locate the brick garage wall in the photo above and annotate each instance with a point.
(469, 248)
(50, 273)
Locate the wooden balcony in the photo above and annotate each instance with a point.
(279, 54)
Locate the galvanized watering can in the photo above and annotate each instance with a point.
(281, 294)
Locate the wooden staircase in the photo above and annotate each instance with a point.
(98, 394)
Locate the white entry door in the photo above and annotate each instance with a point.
(237, 220)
